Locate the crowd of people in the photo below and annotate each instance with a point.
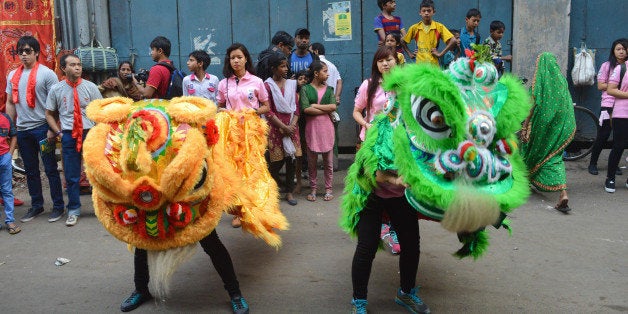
(297, 90)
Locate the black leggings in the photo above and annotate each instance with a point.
(620, 140)
(602, 137)
(275, 166)
(219, 255)
(404, 220)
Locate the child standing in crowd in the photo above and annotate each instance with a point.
(284, 145)
(302, 80)
(8, 142)
(427, 33)
(469, 33)
(453, 54)
(386, 23)
(317, 101)
(497, 33)
(618, 55)
(200, 83)
(393, 40)
(240, 89)
(369, 102)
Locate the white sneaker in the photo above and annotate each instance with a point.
(71, 221)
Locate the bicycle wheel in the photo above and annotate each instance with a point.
(587, 128)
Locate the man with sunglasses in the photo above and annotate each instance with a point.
(27, 90)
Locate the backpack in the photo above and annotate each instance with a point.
(175, 87)
(477, 36)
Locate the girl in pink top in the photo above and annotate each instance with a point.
(317, 101)
(618, 55)
(620, 124)
(369, 102)
(240, 89)
(371, 98)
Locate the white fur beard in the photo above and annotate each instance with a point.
(161, 266)
(470, 211)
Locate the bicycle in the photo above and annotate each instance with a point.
(587, 127)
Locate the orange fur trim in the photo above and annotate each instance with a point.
(192, 110)
(109, 110)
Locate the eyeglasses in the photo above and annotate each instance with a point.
(23, 50)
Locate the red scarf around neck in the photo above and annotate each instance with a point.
(30, 87)
(77, 127)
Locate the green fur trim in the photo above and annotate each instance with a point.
(515, 109)
(474, 244)
(360, 180)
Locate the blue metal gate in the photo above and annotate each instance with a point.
(214, 25)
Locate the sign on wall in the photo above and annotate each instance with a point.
(337, 21)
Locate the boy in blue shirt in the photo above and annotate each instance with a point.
(469, 34)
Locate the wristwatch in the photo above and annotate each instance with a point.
(58, 133)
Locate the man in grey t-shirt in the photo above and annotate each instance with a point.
(66, 99)
(26, 103)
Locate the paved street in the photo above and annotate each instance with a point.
(553, 263)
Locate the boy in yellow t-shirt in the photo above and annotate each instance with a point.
(427, 33)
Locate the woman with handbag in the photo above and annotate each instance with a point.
(618, 55)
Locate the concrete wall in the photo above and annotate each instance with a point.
(539, 26)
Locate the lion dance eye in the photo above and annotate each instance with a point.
(202, 179)
(430, 118)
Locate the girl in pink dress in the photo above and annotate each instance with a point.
(317, 101)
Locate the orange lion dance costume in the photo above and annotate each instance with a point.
(163, 172)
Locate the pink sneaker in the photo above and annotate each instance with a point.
(385, 231)
(393, 242)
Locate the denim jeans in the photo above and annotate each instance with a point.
(6, 186)
(72, 171)
(28, 143)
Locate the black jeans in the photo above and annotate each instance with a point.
(602, 137)
(274, 168)
(404, 220)
(219, 255)
(620, 140)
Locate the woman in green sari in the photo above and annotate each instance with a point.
(549, 129)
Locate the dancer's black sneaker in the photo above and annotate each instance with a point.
(609, 185)
(239, 305)
(134, 301)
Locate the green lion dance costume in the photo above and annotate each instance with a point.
(451, 136)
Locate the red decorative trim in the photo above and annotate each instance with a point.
(118, 212)
(211, 132)
(140, 228)
(137, 196)
(179, 214)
